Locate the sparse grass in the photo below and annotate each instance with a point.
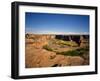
(70, 53)
(77, 52)
(68, 43)
(47, 48)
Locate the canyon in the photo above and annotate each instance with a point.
(50, 50)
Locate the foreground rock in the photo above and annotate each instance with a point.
(37, 56)
(43, 58)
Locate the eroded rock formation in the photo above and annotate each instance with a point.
(36, 56)
(38, 40)
(42, 58)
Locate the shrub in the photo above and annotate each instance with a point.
(83, 49)
(68, 43)
(77, 52)
(47, 48)
(70, 53)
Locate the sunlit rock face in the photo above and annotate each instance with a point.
(38, 40)
(42, 58)
(37, 56)
(84, 41)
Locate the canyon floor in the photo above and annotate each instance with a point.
(47, 51)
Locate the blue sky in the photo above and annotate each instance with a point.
(46, 23)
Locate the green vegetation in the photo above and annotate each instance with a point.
(47, 48)
(68, 43)
(70, 53)
(77, 52)
(74, 52)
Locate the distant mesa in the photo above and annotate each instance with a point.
(45, 37)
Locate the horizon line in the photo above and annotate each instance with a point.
(58, 33)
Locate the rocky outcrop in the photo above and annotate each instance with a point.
(76, 60)
(36, 56)
(42, 58)
(38, 41)
(43, 39)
